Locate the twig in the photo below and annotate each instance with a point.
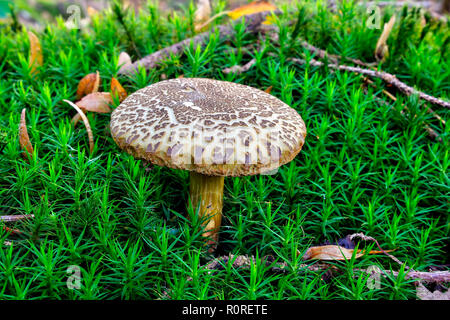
(431, 276)
(246, 261)
(362, 236)
(239, 69)
(252, 22)
(14, 218)
(433, 134)
(334, 58)
(386, 77)
(392, 80)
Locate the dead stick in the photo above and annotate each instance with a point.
(17, 217)
(390, 95)
(237, 69)
(386, 77)
(432, 276)
(246, 261)
(252, 22)
(392, 80)
(433, 134)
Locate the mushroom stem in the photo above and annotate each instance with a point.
(207, 193)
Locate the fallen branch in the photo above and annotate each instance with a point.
(252, 22)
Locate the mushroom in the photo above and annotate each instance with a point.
(211, 128)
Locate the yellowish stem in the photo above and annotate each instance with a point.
(207, 194)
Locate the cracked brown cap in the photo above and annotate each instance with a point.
(212, 127)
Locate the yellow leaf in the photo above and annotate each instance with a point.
(24, 139)
(35, 58)
(253, 7)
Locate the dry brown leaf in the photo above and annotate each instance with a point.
(36, 59)
(335, 252)
(382, 50)
(96, 102)
(24, 139)
(86, 123)
(124, 60)
(89, 84)
(118, 90)
(253, 7)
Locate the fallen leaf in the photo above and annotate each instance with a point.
(36, 58)
(203, 12)
(381, 49)
(335, 252)
(89, 84)
(24, 139)
(124, 60)
(253, 7)
(329, 252)
(269, 89)
(96, 102)
(118, 90)
(86, 123)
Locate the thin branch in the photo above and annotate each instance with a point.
(386, 77)
(246, 261)
(433, 134)
(17, 217)
(237, 69)
(362, 236)
(252, 22)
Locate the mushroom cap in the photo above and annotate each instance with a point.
(208, 126)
